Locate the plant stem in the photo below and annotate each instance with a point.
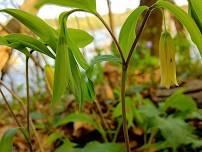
(17, 122)
(111, 21)
(106, 26)
(28, 97)
(117, 130)
(113, 37)
(139, 33)
(24, 110)
(123, 90)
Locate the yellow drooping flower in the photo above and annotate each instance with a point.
(49, 76)
(167, 60)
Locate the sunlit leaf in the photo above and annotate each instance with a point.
(71, 45)
(89, 5)
(6, 143)
(18, 46)
(80, 37)
(62, 65)
(36, 25)
(26, 41)
(186, 20)
(195, 7)
(127, 34)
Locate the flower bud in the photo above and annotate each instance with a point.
(49, 76)
(167, 60)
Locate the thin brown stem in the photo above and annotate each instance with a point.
(107, 27)
(28, 96)
(111, 21)
(24, 110)
(139, 33)
(123, 90)
(17, 122)
(113, 37)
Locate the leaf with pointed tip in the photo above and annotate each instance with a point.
(80, 37)
(62, 67)
(186, 20)
(36, 25)
(29, 42)
(15, 45)
(6, 143)
(72, 46)
(127, 34)
(89, 5)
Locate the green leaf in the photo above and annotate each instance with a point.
(89, 5)
(18, 46)
(67, 146)
(186, 20)
(36, 25)
(76, 80)
(127, 34)
(26, 41)
(72, 46)
(180, 102)
(93, 146)
(195, 7)
(80, 37)
(88, 89)
(62, 67)
(37, 115)
(53, 137)
(6, 144)
(129, 111)
(103, 147)
(102, 58)
(80, 117)
(176, 132)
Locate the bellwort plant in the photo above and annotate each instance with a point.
(72, 71)
(167, 60)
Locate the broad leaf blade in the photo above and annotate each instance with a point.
(186, 20)
(72, 46)
(127, 34)
(89, 5)
(80, 37)
(6, 144)
(29, 42)
(62, 65)
(36, 25)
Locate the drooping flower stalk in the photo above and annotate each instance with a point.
(167, 60)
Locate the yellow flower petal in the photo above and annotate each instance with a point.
(167, 60)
